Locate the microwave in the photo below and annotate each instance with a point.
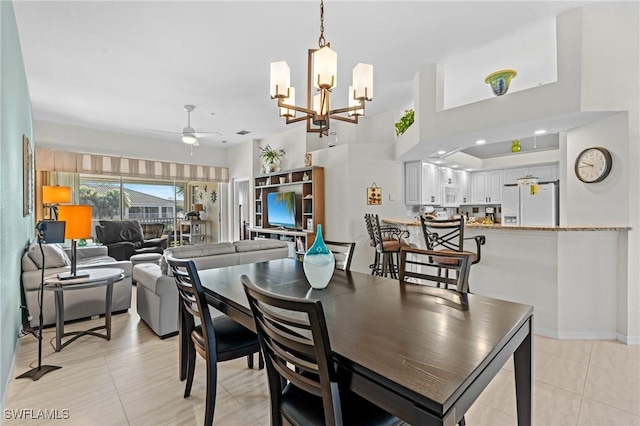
(450, 196)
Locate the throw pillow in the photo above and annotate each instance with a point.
(54, 256)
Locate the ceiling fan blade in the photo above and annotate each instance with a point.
(204, 134)
(163, 131)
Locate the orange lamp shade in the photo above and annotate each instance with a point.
(56, 194)
(198, 207)
(78, 221)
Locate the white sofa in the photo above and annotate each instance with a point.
(77, 304)
(157, 295)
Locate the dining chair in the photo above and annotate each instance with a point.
(342, 252)
(418, 266)
(446, 236)
(303, 380)
(215, 340)
(387, 242)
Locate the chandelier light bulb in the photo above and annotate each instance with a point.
(290, 100)
(325, 68)
(280, 79)
(363, 81)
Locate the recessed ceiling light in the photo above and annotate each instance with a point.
(540, 132)
(455, 166)
(438, 162)
(442, 151)
(480, 142)
(469, 170)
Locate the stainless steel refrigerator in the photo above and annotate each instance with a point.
(528, 206)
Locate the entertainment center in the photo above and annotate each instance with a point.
(288, 206)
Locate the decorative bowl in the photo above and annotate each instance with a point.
(500, 80)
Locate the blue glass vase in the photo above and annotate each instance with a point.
(318, 263)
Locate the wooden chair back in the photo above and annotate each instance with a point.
(342, 252)
(295, 342)
(418, 266)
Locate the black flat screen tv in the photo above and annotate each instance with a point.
(281, 209)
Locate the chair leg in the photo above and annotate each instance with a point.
(210, 403)
(190, 368)
(260, 361)
(250, 361)
(462, 422)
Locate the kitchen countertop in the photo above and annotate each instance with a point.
(413, 222)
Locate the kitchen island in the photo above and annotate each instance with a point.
(572, 275)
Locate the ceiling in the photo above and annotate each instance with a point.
(128, 66)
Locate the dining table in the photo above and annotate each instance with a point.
(413, 350)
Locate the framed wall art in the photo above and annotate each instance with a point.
(27, 176)
(374, 195)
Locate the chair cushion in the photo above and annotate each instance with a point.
(54, 256)
(300, 407)
(115, 231)
(450, 261)
(392, 245)
(230, 337)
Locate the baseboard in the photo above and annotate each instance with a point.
(587, 335)
(12, 372)
(628, 340)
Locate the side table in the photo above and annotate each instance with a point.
(97, 277)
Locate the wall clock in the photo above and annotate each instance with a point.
(214, 197)
(593, 164)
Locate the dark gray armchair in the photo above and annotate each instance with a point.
(125, 238)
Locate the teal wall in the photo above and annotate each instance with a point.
(16, 230)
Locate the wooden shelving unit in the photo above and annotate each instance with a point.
(308, 184)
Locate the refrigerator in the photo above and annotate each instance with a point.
(527, 206)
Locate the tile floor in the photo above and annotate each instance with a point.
(133, 380)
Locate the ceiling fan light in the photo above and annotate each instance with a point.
(189, 138)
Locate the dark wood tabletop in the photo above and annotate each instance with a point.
(411, 349)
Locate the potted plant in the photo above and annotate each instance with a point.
(405, 122)
(271, 157)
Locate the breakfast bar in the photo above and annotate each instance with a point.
(572, 275)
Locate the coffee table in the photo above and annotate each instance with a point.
(97, 277)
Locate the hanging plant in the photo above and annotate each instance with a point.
(405, 122)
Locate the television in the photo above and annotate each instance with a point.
(281, 209)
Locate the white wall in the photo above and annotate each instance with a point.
(606, 202)
(80, 139)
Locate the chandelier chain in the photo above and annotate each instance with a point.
(321, 41)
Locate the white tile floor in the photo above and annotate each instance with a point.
(133, 380)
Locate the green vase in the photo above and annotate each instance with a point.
(515, 146)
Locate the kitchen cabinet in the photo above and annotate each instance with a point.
(421, 184)
(413, 183)
(486, 187)
(448, 176)
(544, 173)
(430, 184)
(464, 183)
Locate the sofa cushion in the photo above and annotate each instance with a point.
(260, 244)
(54, 255)
(195, 251)
(115, 231)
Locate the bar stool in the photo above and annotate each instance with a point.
(388, 241)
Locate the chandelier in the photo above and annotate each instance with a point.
(322, 66)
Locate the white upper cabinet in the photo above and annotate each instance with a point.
(486, 187)
(430, 184)
(448, 176)
(413, 183)
(464, 183)
(546, 173)
(421, 183)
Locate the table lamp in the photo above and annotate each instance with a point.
(54, 195)
(198, 208)
(78, 226)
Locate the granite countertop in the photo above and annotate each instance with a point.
(413, 222)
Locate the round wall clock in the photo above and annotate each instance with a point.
(214, 197)
(593, 164)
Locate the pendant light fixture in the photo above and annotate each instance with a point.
(322, 66)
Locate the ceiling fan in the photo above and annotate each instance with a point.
(188, 135)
